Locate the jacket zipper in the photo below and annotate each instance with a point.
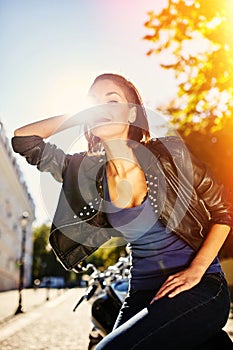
(205, 209)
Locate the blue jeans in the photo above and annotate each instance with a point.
(186, 321)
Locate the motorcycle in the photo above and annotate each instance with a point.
(106, 292)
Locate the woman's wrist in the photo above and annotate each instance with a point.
(197, 268)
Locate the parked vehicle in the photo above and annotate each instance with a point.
(106, 293)
(52, 282)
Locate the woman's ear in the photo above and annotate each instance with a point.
(132, 114)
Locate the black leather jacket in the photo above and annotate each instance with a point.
(180, 188)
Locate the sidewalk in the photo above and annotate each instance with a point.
(30, 299)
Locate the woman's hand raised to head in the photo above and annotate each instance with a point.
(50, 126)
(44, 128)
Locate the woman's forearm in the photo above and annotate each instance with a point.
(46, 127)
(210, 247)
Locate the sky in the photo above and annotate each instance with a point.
(51, 50)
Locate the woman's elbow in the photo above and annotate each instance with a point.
(19, 132)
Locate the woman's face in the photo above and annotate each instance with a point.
(112, 113)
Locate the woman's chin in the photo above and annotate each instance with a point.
(110, 131)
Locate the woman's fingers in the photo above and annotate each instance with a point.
(176, 284)
(169, 286)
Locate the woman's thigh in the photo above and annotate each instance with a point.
(134, 302)
(182, 322)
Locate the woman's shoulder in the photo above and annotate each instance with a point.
(86, 161)
(171, 144)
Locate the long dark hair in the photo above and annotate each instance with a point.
(139, 129)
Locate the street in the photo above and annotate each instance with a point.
(52, 325)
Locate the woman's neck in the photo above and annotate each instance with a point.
(121, 158)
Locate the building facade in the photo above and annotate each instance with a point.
(14, 201)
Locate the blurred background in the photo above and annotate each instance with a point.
(178, 53)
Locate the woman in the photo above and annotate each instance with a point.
(156, 195)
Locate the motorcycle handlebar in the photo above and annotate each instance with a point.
(91, 291)
(99, 278)
(89, 294)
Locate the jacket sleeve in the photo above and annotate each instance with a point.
(47, 157)
(211, 193)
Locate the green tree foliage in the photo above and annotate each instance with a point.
(109, 254)
(44, 260)
(40, 250)
(45, 263)
(193, 39)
